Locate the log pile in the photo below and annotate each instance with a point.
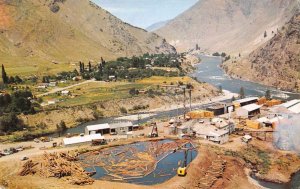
(58, 165)
(28, 168)
(214, 172)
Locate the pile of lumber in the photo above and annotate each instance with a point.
(213, 173)
(58, 165)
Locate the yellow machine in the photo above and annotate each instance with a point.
(181, 171)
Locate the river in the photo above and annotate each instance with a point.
(209, 71)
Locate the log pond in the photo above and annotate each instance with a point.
(144, 163)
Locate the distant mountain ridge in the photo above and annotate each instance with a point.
(157, 25)
(68, 30)
(232, 26)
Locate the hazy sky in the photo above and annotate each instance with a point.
(143, 13)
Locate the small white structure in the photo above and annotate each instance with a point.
(51, 102)
(247, 138)
(65, 93)
(248, 110)
(82, 139)
(53, 84)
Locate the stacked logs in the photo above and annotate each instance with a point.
(214, 172)
(58, 165)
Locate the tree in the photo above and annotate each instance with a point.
(220, 89)
(265, 34)
(61, 127)
(242, 93)
(11, 79)
(18, 79)
(90, 67)
(268, 94)
(10, 122)
(123, 110)
(232, 99)
(4, 75)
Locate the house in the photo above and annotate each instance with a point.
(82, 139)
(112, 78)
(148, 66)
(65, 93)
(53, 84)
(51, 102)
(248, 111)
(221, 108)
(121, 128)
(43, 85)
(245, 101)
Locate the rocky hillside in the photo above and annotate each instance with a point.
(276, 63)
(68, 30)
(232, 26)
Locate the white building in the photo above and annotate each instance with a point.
(290, 107)
(96, 129)
(82, 139)
(121, 128)
(248, 111)
(65, 93)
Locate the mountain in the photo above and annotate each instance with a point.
(43, 31)
(276, 63)
(157, 25)
(232, 26)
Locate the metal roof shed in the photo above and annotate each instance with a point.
(248, 110)
(93, 128)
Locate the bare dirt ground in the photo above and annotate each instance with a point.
(233, 176)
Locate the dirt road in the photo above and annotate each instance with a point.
(58, 89)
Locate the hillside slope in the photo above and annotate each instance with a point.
(45, 31)
(232, 26)
(277, 63)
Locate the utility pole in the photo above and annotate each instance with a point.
(190, 96)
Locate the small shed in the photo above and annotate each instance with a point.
(248, 111)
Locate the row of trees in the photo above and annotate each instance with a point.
(12, 105)
(9, 80)
(131, 68)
